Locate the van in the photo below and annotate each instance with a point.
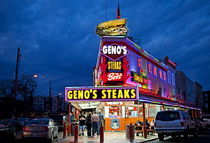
(174, 123)
(207, 119)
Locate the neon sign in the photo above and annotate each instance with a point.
(102, 94)
(114, 76)
(114, 51)
(114, 65)
(139, 79)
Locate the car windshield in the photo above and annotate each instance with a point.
(168, 116)
(4, 123)
(206, 117)
(38, 122)
(23, 119)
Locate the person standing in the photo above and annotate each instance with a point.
(94, 121)
(100, 123)
(88, 124)
(147, 124)
(81, 124)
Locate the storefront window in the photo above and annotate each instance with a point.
(151, 112)
(170, 108)
(114, 112)
(140, 112)
(132, 111)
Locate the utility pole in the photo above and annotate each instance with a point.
(16, 72)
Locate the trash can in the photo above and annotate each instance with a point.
(130, 132)
(127, 132)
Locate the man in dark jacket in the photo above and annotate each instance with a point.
(88, 124)
(82, 124)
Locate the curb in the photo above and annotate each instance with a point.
(148, 140)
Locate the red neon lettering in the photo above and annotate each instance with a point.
(114, 76)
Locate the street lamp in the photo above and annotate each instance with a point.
(35, 75)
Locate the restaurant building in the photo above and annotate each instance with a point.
(129, 83)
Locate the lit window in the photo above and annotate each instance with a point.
(140, 62)
(164, 75)
(155, 70)
(169, 77)
(149, 67)
(161, 74)
(172, 78)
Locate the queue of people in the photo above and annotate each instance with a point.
(139, 123)
(92, 122)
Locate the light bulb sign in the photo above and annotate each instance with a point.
(101, 93)
(114, 51)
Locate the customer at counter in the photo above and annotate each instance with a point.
(113, 115)
(94, 121)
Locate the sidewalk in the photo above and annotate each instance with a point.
(109, 137)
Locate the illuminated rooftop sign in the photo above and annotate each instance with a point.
(101, 93)
(169, 62)
(115, 27)
(114, 51)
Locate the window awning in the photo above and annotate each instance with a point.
(153, 100)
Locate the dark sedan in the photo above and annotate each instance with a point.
(41, 128)
(6, 132)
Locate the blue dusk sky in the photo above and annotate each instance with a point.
(58, 41)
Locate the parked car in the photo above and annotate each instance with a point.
(23, 121)
(173, 123)
(204, 123)
(198, 125)
(40, 128)
(9, 122)
(59, 119)
(7, 132)
(207, 118)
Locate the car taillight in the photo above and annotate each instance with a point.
(182, 124)
(25, 129)
(44, 129)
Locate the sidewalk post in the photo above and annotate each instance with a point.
(131, 130)
(69, 129)
(144, 122)
(64, 130)
(68, 119)
(101, 134)
(76, 134)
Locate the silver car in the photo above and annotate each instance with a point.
(40, 128)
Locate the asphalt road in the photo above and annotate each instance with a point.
(202, 138)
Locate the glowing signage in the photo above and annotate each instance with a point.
(115, 27)
(114, 51)
(114, 103)
(102, 94)
(169, 62)
(172, 63)
(139, 79)
(114, 65)
(114, 76)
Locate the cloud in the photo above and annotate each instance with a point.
(58, 37)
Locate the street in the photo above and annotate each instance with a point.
(202, 138)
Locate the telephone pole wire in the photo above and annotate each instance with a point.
(16, 71)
